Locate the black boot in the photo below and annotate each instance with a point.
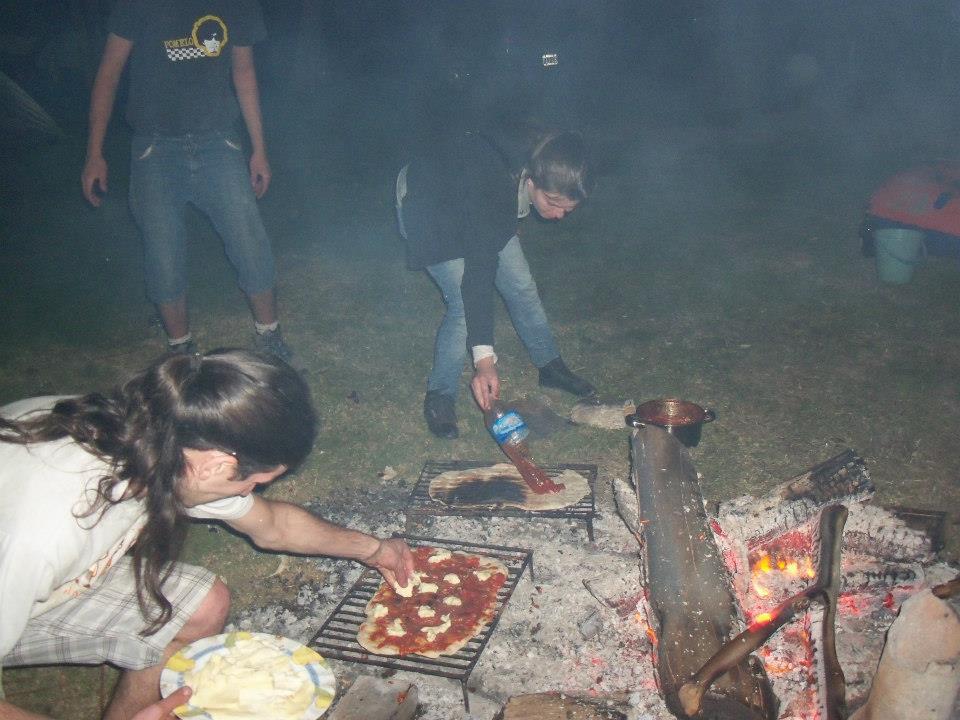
(441, 415)
(556, 374)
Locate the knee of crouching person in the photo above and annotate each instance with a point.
(210, 617)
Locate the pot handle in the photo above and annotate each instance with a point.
(709, 416)
(633, 421)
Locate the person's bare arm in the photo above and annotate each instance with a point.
(248, 95)
(280, 526)
(94, 176)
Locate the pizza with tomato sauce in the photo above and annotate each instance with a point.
(451, 597)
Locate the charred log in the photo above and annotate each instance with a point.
(874, 531)
(840, 476)
(689, 586)
(798, 500)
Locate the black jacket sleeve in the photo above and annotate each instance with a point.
(462, 203)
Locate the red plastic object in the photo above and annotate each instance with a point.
(925, 197)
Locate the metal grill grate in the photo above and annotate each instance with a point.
(421, 505)
(337, 637)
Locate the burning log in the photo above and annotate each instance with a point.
(843, 474)
(919, 672)
(689, 590)
(825, 589)
(758, 520)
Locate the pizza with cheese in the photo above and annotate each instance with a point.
(451, 597)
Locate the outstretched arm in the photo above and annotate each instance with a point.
(274, 525)
(94, 176)
(248, 95)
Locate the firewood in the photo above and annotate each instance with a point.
(919, 672)
(371, 698)
(757, 520)
(690, 593)
(554, 706)
(947, 589)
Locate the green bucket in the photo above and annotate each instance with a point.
(899, 250)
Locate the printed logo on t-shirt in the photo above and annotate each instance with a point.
(207, 40)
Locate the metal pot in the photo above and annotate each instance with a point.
(681, 418)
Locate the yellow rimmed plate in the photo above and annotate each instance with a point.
(197, 653)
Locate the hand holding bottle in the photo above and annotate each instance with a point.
(510, 432)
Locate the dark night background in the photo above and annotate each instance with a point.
(736, 145)
(680, 62)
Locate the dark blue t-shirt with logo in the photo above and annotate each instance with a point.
(180, 79)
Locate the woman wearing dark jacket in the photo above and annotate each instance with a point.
(458, 208)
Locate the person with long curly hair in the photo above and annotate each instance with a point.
(97, 494)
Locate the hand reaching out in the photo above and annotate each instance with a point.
(394, 561)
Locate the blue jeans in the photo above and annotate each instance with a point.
(210, 172)
(519, 292)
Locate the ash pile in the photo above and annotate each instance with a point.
(620, 622)
(573, 630)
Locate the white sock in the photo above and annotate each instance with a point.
(173, 342)
(263, 329)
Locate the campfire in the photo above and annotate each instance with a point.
(601, 632)
(816, 578)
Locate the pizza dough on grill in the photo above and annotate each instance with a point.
(453, 597)
(502, 485)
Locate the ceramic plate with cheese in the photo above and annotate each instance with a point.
(248, 676)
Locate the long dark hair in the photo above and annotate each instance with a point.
(251, 405)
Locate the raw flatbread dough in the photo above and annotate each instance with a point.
(501, 485)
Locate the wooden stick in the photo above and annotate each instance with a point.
(758, 632)
(828, 577)
(947, 589)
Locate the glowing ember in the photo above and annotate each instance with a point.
(779, 570)
(652, 635)
(855, 605)
(647, 629)
(777, 668)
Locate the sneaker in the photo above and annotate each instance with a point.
(556, 374)
(185, 348)
(441, 415)
(272, 342)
